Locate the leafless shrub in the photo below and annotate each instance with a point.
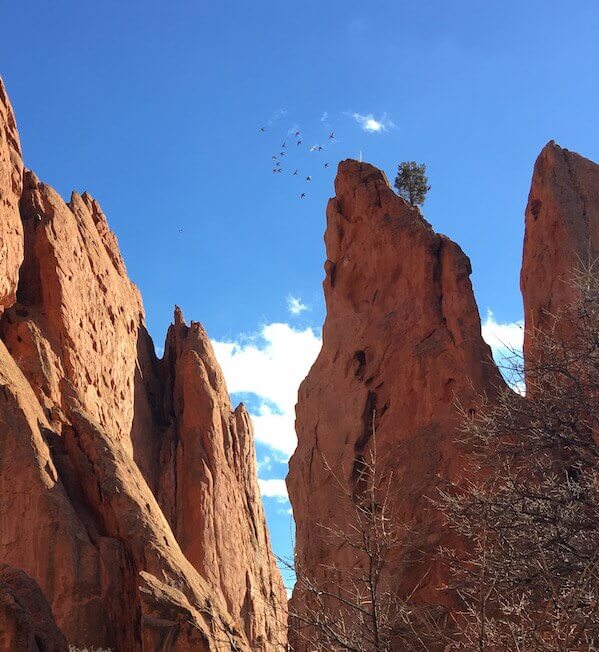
(530, 507)
(357, 608)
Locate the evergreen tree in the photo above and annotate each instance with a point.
(411, 182)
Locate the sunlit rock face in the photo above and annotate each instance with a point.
(128, 486)
(11, 185)
(402, 347)
(561, 238)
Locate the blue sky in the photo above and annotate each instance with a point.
(155, 108)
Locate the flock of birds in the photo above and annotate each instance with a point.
(278, 158)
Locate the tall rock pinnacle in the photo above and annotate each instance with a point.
(401, 346)
(562, 235)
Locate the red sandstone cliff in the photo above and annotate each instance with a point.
(402, 340)
(208, 489)
(561, 238)
(128, 489)
(11, 184)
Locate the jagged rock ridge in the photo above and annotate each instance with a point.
(128, 489)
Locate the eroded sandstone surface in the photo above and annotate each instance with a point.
(561, 239)
(26, 620)
(128, 486)
(403, 361)
(402, 346)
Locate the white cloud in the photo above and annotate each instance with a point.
(271, 365)
(274, 489)
(295, 305)
(503, 338)
(506, 341)
(324, 116)
(265, 464)
(371, 124)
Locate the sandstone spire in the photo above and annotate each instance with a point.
(562, 235)
(401, 345)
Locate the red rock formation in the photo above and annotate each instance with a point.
(401, 341)
(96, 433)
(11, 183)
(26, 621)
(562, 233)
(208, 492)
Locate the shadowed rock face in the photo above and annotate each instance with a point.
(401, 344)
(128, 487)
(26, 621)
(562, 235)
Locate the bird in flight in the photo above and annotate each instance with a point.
(282, 153)
(331, 136)
(326, 165)
(295, 173)
(262, 129)
(299, 142)
(283, 145)
(274, 158)
(308, 178)
(278, 164)
(302, 195)
(315, 148)
(297, 133)
(277, 169)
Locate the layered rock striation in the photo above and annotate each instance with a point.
(128, 486)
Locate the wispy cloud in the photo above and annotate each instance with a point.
(276, 115)
(324, 117)
(274, 488)
(295, 305)
(271, 366)
(265, 464)
(373, 125)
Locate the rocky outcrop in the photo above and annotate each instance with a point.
(99, 437)
(208, 489)
(26, 621)
(561, 238)
(11, 183)
(401, 347)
